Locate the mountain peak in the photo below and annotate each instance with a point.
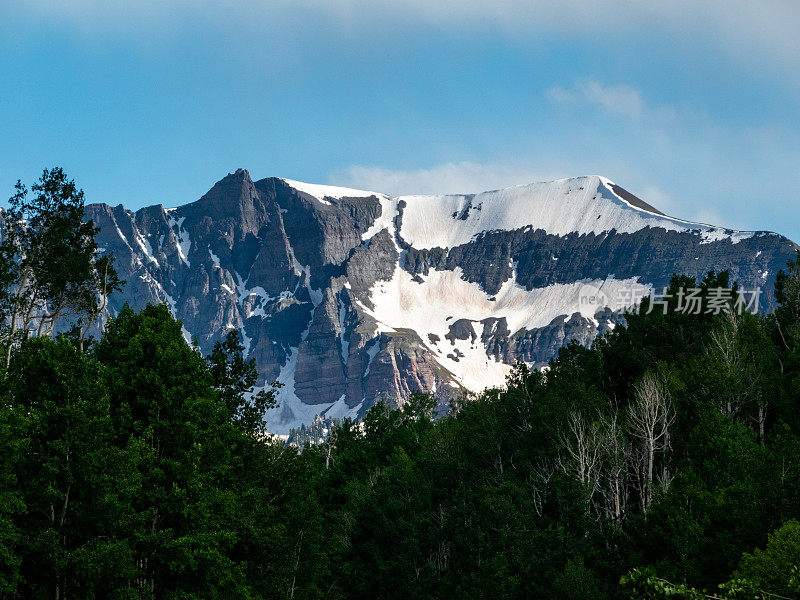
(232, 196)
(628, 197)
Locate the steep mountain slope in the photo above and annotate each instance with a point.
(345, 295)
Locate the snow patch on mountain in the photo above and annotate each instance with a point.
(321, 192)
(372, 352)
(345, 343)
(122, 236)
(144, 244)
(385, 220)
(214, 257)
(468, 362)
(717, 234)
(340, 410)
(581, 205)
(182, 241)
(305, 271)
(430, 304)
(442, 297)
(290, 412)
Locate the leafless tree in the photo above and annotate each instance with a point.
(761, 417)
(615, 467)
(725, 348)
(539, 481)
(650, 417)
(582, 446)
(329, 445)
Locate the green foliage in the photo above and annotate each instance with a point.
(49, 269)
(235, 378)
(68, 472)
(653, 465)
(643, 584)
(773, 567)
(127, 475)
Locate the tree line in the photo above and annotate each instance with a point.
(664, 461)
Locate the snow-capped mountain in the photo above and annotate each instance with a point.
(345, 296)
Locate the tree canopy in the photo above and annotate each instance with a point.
(664, 461)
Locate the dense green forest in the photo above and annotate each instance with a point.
(663, 461)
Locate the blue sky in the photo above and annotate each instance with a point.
(693, 106)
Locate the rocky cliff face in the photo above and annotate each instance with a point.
(345, 296)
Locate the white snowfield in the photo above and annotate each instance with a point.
(431, 306)
(582, 205)
(579, 205)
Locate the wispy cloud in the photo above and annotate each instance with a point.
(448, 178)
(619, 99)
(622, 100)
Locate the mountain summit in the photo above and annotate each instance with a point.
(346, 296)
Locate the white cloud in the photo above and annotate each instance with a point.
(448, 178)
(622, 100)
(619, 99)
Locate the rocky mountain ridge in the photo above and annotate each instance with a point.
(345, 296)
